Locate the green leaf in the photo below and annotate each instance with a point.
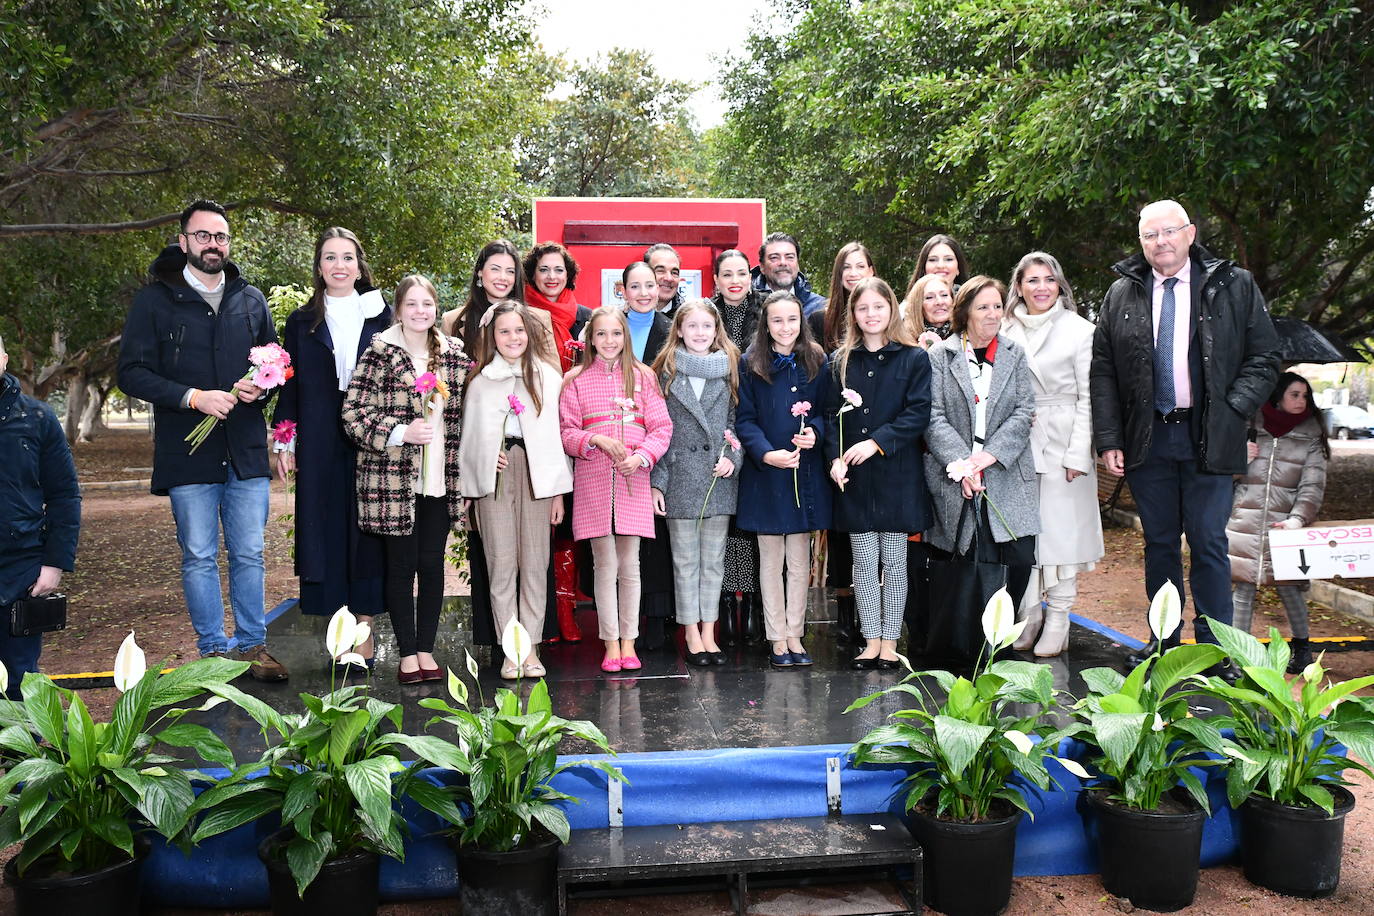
(130, 714)
(1318, 796)
(434, 798)
(553, 819)
(1120, 703)
(1277, 688)
(1278, 651)
(263, 714)
(303, 792)
(433, 750)
(235, 811)
(1103, 680)
(343, 736)
(193, 678)
(19, 738)
(43, 705)
(80, 737)
(1244, 649)
(1118, 734)
(370, 782)
(304, 858)
(200, 739)
(1195, 789)
(166, 801)
(114, 830)
(29, 770)
(1181, 662)
(959, 741)
(1333, 694)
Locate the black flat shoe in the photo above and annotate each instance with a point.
(699, 659)
(888, 664)
(864, 664)
(717, 658)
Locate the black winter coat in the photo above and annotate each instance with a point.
(888, 491)
(173, 341)
(324, 452)
(40, 502)
(1233, 361)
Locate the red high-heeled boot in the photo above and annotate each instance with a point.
(565, 582)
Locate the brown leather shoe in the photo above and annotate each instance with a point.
(262, 666)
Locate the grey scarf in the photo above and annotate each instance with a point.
(712, 365)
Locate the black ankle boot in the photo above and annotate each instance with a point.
(729, 632)
(846, 627)
(751, 613)
(1302, 655)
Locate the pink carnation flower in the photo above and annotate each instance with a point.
(516, 407)
(732, 440)
(801, 408)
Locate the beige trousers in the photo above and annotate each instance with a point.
(784, 619)
(515, 535)
(615, 560)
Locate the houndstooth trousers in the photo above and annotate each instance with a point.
(880, 601)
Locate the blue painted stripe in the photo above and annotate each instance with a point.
(280, 609)
(1129, 642)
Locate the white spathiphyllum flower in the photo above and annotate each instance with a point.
(1313, 672)
(1074, 767)
(352, 658)
(130, 664)
(360, 633)
(4, 678)
(471, 663)
(1166, 611)
(999, 620)
(1159, 723)
(516, 642)
(456, 688)
(1019, 739)
(338, 637)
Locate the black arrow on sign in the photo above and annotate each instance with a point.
(1302, 562)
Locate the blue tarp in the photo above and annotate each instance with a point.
(669, 787)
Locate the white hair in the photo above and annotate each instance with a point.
(1161, 207)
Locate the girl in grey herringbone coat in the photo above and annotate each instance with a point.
(694, 484)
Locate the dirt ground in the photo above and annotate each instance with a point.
(128, 578)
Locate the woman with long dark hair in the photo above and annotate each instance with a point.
(338, 563)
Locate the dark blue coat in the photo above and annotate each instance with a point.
(326, 458)
(173, 341)
(40, 502)
(888, 491)
(764, 422)
(810, 300)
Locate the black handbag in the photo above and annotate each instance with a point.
(30, 616)
(960, 587)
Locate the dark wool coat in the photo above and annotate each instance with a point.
(324, 453)
(40, 502)
(380, 398)
(1233, 361)
(764, 422)
(888, 491)
(172, 342)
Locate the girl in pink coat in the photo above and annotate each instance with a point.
(616, 427)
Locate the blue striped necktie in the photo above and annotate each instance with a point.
(1165, 395)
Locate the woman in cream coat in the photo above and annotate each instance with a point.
(1042, 318)
(511, 462)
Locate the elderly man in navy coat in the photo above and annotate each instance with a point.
(40, 514)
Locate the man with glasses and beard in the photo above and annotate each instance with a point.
(185, 350)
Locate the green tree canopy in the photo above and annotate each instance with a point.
(1046, 123)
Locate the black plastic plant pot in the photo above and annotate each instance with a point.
(1294, 850)
(114, 890)
(519, 882)
(1148, 857)
(345, 886)
(967, 867)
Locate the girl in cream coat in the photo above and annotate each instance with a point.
(1042, 318)
(512, 463)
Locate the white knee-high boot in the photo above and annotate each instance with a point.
(1030, 612)
(1054, 635)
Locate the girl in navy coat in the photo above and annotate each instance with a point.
(879, 405)
(338, 563)
(783, 494)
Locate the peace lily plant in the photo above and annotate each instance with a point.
(509, 753)
(1147, 741)
(89, 787)
(1289, 728)
(328, 772)
(972, 748)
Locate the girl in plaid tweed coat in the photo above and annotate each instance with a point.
(404, 410)
(616, 427)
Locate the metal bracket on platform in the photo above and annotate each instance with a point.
(614, 801)
(832, 785)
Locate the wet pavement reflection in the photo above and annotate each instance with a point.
(666, 706)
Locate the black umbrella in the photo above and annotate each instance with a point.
(1300, 342)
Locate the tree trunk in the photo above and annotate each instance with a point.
(78, 394)
(91, 422)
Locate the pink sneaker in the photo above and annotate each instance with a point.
(630, 663)
(611, 664)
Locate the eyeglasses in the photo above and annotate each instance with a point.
(1168, 234)
(203, 238)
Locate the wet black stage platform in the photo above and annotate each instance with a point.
(666, 706)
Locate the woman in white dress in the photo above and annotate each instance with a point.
(1042, 318)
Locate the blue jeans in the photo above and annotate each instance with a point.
(1174, 497)
(199, 509)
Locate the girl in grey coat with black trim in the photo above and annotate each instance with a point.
(694, 484)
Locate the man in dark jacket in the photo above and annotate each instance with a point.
(779, 269)
(1183, 356)
(40, 514)
(185, 350)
